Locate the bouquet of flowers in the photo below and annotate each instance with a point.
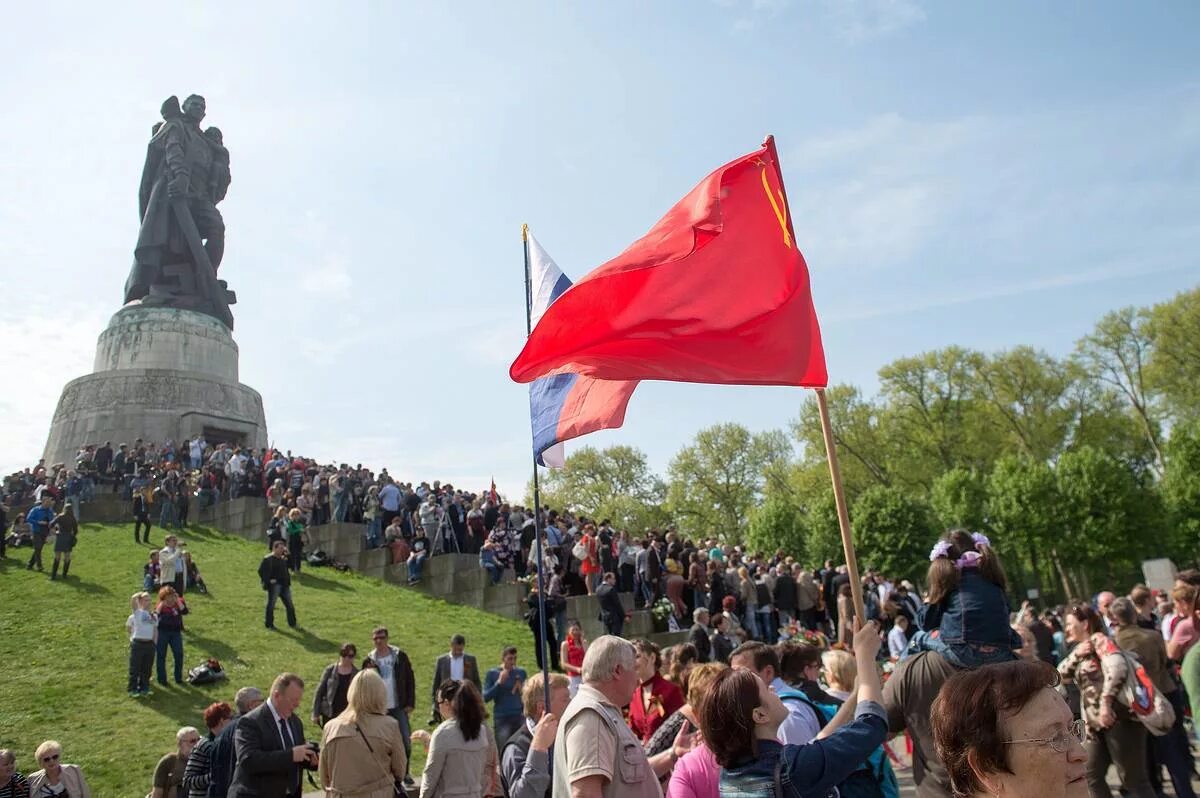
(662, 610)
(796, 633)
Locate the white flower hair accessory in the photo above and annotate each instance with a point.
(969, 559)
(940, 549)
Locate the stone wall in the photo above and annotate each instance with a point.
(455, 578)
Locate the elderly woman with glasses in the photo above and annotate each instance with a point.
(168, 773)
(1003, 730)
(55, 778)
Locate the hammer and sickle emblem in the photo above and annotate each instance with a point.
(779, 206)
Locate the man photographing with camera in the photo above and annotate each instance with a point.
(269, 745)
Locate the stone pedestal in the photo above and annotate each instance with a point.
(160, 373)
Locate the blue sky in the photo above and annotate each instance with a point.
(979, 174)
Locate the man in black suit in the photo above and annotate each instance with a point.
(277, 581)
(457, 665)
(269, 745)
(612, 611)
(698, 636)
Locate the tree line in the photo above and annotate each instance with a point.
(1078, 468)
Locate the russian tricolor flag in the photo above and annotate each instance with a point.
(565, 406)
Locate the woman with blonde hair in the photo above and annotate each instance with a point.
(55, 778)
(840, 672)
(362, 753)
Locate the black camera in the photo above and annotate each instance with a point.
(316, 749)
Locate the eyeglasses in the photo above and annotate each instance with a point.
(51, 758)
(1062, 741)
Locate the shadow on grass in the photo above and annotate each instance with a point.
(307, 579)
(226, 653)
(310, 641)
(91, 588)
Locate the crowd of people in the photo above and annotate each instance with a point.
(780, 689)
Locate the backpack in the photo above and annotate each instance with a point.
(207, 672)
(1145, 703)
(873, 779)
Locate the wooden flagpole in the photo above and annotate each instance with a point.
(839, 499)
(835, 474)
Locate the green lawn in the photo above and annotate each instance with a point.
(65, 652)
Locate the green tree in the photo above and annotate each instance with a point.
(937, 417)
(1026, 390)
(1116, 353)
(1174, 368)
(1024, 513)
(1181, 490)
(893, 531)
(778, 524)
(715, 482)
(861, 439)
(1111, 517)
(959, 499)
(614, 483)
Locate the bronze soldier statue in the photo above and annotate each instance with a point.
(182, 237)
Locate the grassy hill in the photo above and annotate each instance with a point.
(65, 652)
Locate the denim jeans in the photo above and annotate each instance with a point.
(415, 564)
(74, 502)
(750, 621)
(764, 625)
(282, 593)
(166, 513)
(494, 572)
(174, 639)
(374, 532)
(405, 732)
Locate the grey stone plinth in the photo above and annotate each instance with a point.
(161, 374)
(167, 338)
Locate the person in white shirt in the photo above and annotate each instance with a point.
(802, 724)
(170, 564)
(141, 625)
(456, 664)
(898, 639)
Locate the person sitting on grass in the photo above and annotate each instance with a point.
(12, 782)
(168, 774)
(56, 778)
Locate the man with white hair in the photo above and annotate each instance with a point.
(595, 753)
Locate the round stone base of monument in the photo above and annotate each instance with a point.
(140, 337)
(161, 374)
(155, 405)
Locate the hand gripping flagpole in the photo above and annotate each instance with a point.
(542, 641)
(835, 473)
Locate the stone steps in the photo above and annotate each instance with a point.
(455, 578)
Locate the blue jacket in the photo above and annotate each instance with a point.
(39, 519)
(508, 703)
(978, 613)
(808, 771)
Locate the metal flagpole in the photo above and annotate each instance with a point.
(542, 642)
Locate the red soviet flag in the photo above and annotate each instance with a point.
(717, 291)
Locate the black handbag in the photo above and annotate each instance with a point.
(397, 784)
